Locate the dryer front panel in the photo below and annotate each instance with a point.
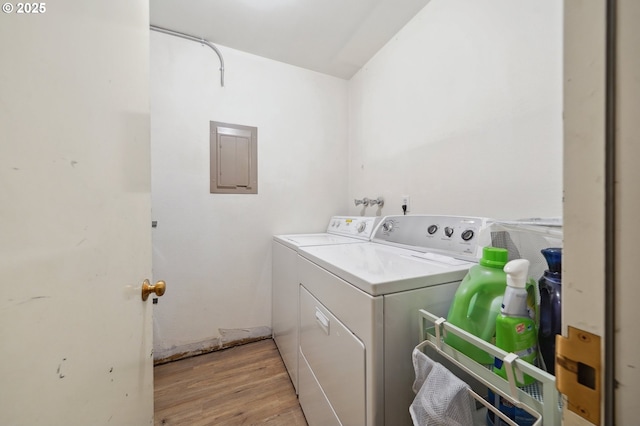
(336, 358)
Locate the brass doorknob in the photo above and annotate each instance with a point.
(159, 289)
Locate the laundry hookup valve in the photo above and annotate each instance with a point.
(369, 202)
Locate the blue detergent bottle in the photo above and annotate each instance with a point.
(550, 285)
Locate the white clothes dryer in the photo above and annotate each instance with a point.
(340, 230)
(358, 314)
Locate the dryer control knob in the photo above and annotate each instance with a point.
(387, 226)
(448, 231)
(432, 229)
(362, 226)
(467, 235)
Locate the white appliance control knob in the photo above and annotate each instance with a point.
(387, 226)
(362, 226)
(432, 229)
(448, 231)
(467, 235)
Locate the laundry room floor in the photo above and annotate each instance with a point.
(242, 385)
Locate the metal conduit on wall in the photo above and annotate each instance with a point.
(196, 39)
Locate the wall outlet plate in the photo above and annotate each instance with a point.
(406, 202)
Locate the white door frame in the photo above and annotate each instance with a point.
(602, 204)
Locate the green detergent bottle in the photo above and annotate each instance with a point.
(516, 333)
(477, 303)
(515, 330)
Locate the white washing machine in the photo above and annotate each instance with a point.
(358, 314)
(340, 230)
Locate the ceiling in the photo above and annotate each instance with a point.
(335, 37)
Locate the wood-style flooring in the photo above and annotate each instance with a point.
(243, 385)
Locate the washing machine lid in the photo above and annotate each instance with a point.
(295, 241)
(380, 269)
(340, 230)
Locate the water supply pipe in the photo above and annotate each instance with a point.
(196, 39)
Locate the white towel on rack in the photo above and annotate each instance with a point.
(441, 399)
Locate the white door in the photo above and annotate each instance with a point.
(75, 225)
(590, 203)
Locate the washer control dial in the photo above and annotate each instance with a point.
(448, 231)
(387, 226)
(432, 229)
(362, 226)
(467, 235)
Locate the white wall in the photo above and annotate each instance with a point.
(462, 110)
(214, 251)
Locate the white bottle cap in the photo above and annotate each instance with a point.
(516, 271)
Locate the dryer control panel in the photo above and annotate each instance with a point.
(457, 236)
(353, 226)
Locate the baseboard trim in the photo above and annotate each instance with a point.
(228, 338)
